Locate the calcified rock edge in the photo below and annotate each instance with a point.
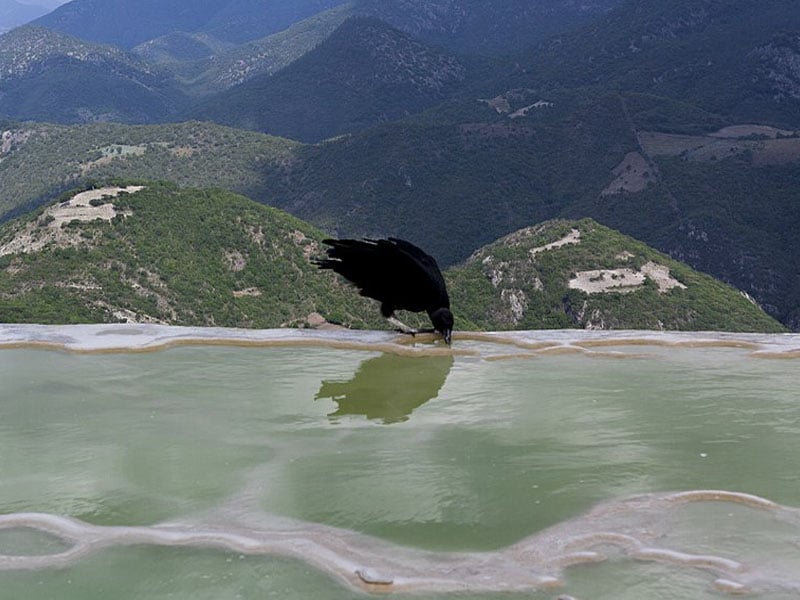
(639, 528)
(491, 346)
(633, 528)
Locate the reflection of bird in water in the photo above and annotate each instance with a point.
(397, 274)
(388, 387)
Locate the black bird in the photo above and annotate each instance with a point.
(397, 274)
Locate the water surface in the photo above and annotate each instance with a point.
(309, 471)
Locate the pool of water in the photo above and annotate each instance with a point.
(542, 465)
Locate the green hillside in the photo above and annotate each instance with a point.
(189, 257)
(54, 77)
(38, 161)
(732, 57)
(365, 73)
(157, 253)
(128, 23)
(460, 177)
(563, 274)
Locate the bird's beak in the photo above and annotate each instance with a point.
(448, 334)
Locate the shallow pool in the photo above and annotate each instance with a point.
(149, 462)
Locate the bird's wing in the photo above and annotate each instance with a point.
(421, 271)
(362, 262)
(393, 271)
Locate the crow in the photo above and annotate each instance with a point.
(397, 274)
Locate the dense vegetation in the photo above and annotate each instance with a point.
(230, 20)
(730, 57)
(44, 160)
(48, 76)
(209, 257)
(507, 286)
(365, 73)
(191, 257)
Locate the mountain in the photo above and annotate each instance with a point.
(49, 76)
(223, 69)
(39, 161)
(490, 27)
(180, 47)
(155, 253)
(562, 274)
(202, 48)
(127, 23)
(454, 186)
(13, 14)
(737, 58)
(365, 73)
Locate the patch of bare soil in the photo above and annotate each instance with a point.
(624, 280)
(631, 175)
(48, 228)
(739, 131)
(572, 238)
(729, 141)
(251, 291)
(778, 152)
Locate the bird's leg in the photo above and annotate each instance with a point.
(399, 325)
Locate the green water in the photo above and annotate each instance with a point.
(432, 453)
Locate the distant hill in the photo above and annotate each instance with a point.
(160, 254)
(738, 58)
(13, 14)
(180, 47)
(563, 274)
(127, 23)
(487, 27)
(154, 253)
(365, 73)
(221, 69)
(49, 76)
(39, 161)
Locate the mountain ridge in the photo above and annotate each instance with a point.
(13, 14)
(364, 73)
(45, 75)
(129, 23)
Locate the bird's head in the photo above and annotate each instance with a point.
(442, 320)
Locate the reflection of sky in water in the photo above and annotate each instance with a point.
(481, 454)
